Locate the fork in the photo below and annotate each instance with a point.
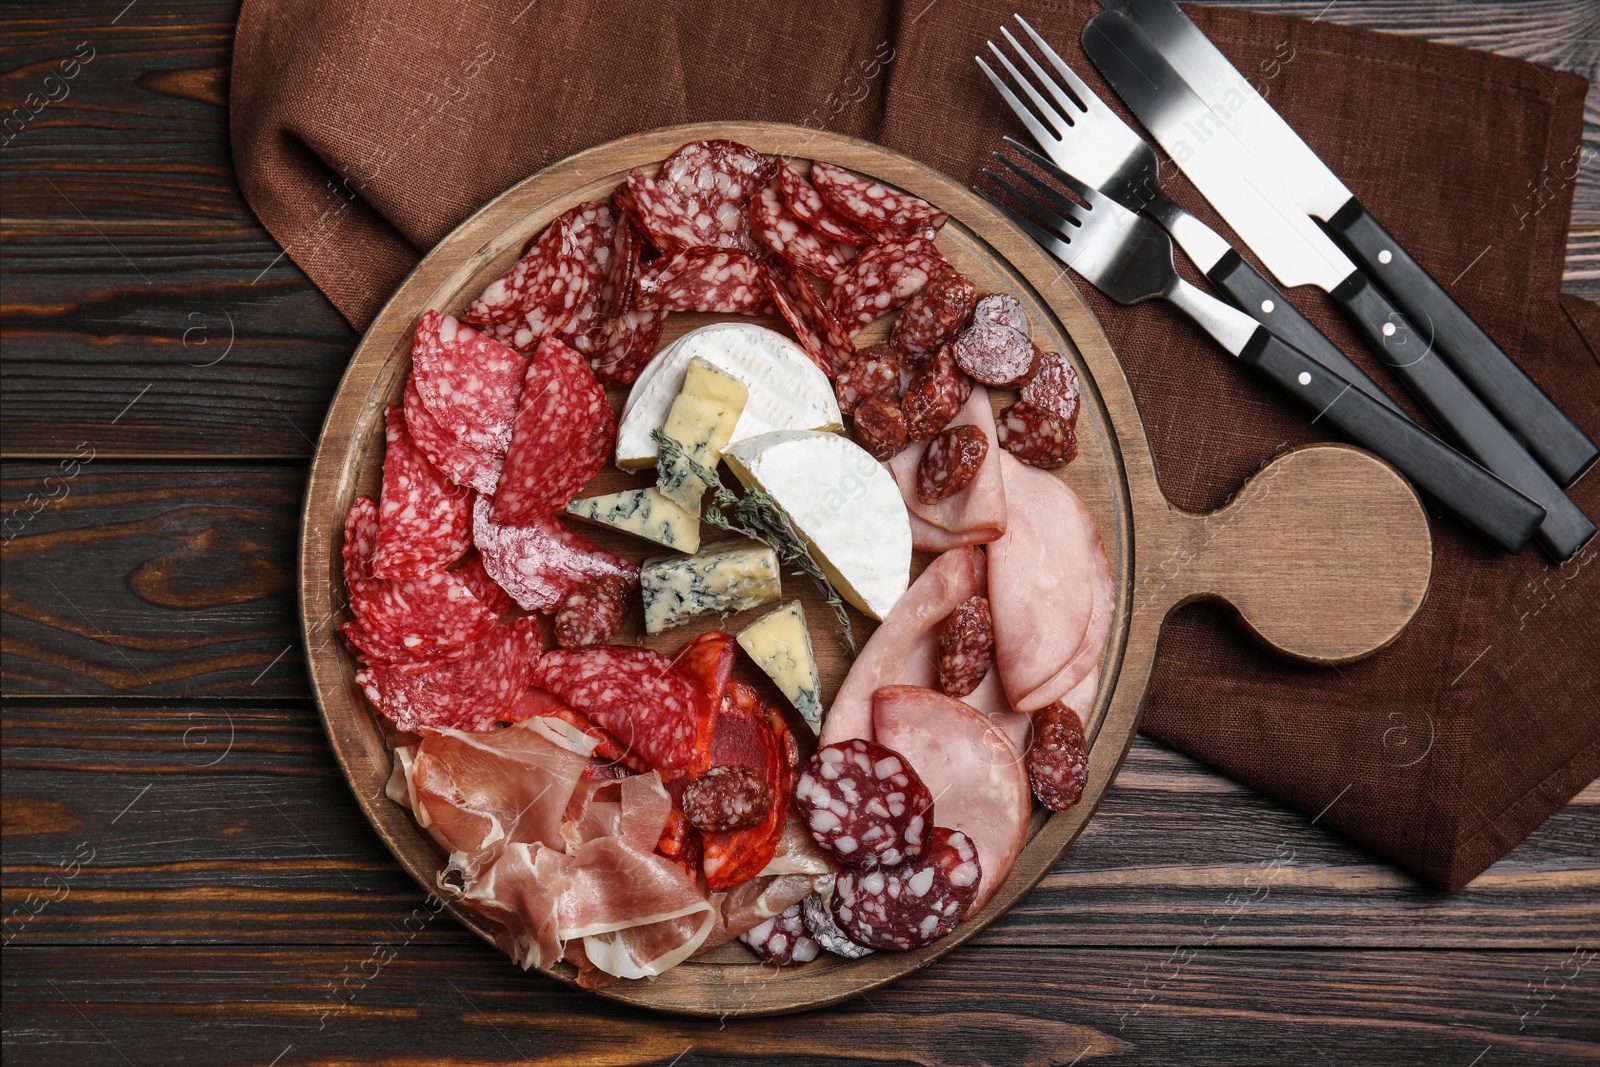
(1130, 261)
(1083, 136)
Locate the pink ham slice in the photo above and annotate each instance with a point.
(1085, 661)
(1041, 584)
(977, 776)
(974, 516)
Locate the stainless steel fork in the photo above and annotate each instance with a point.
(1083, 136)
(1130, 261)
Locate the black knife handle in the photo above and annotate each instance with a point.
(1261, 300)
(1469, 492)
(1564, 450)
(1415, 360)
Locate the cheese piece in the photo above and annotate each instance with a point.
(780, 644)
(644, 513)
(701, 421)
(724, 577)
(787, 390)
(843, 503)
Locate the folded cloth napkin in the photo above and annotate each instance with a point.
(365, 130)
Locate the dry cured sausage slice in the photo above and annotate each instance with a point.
(540, 563)
(820, 925)
(1037, 437)
(729, 796)
(822, 336)
(700, 197)
(468, 382)
(424, 521)
(717, 280)
(935, 395)
(781, 940)
(593, 612)
(462, 461)
(933, 317)
(886, 213)
(1058, 760)
(995, 355)
(882, 278)
(1001, 309)
(806, 202)
(629, 344)
(864, 804)
(966, 647)
(472, 693)
(787, 234)
(635, 694)
(563, 433)
(880, 427)
(915, 903)
(875, 371)
(950, 462)
(538, 295)
(360, 539)
(1054, 387)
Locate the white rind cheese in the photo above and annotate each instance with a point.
(644, 513)
(787, 390)
(724, 577)
(701, 422)
(843, 503)
(780, 644)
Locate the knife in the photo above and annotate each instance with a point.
(1294, 249)
(1550, 434)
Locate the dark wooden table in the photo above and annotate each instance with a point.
(186, 877)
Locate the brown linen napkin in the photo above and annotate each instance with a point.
(364, 130)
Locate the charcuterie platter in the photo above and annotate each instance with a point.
(1324, 554)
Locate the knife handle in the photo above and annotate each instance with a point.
(1463, 488)
(1474, 427)
(1563, 448)
(1261, 300)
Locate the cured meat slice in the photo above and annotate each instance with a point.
(864, 804)
(610, 759)
(882, 278)
(750, 733)
(1037, 437)
(950, 462)
(539, 293)
(1054, 387)
(937, 391)
(704, 279)
(1058, 760)
(1085, 661)
(463, 460)
(484, 587)
(914, 904)
(563, 433)
(875, 371)
(748, 904)
(966, 647)
(824, 339)
(629, 343)
(974, 516)
(880, 428)
(729, 796)
(700, 197)
(360, 539)
(468, 382)
(885, 213)
(822, 928)
(781, 230)
(372, 649)
(804, 200)
(970, 765)
(424, 521)
(472, 693)
(593, 612)
(782, 939)
(540, 563)
(995, 355)
(1001, 309)
(603, 240)
(426, 616)
(934, 317)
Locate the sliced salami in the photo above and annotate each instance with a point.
(1036, 436)
(468, 382)
(875, 371)
(593, 611)
(1058, 760)
(1001, 309)
(804, 200)
(633, 692)
(782, 940)
(424, 520)
(882, 278)
(787, 234)
(820, 925)
(604, 240)
(564, 432)
(915, 903)
(729, 796)
(425, 616)
(700, 197)
(995, 355)
(462, 461)
(883, 212)
(950, 462)
(966, 647)
(538, 295)
(542, 562)
(360, 539)
(864, 804)
(1054, 387)
(824, 339)
(936, 392)
(716, 280)
(880, 427)
(484, 587)
(473, 693)
(371, 649)
(934, 317)
(630, 343)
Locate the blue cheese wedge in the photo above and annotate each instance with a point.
(701, 422)
(780, 644)
(844, 504)
(787, 390)
(724, 577)
(644, 513)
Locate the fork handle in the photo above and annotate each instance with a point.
(1479, 499)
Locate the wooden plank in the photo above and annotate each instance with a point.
(409, 999)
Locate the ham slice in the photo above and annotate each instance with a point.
(1041, 584)
(749, 905)
(974, 516)
(976, 775)
(1086, 660)
(1081, 699)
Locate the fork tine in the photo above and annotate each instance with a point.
(1068, 105)
(1046, 239)
(1072, 212)
(1055, 118)
(1079, 188)
(1028, 118)
(1054, 221)
(1086, 96)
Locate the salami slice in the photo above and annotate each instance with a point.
(806, 203)
(820, 925)
(424, 521)
(966, 647)
(782, 940)
(542, 562)
(995, 355)
(425, 616)
(936, 392)
(934, 317)
(469, 383)
(883, 212)
(729, 796)
(462, 461)
(630, 343)
(787, 234)
(715, 280)
(604, 240)
(882, 278)
(749, 732)
(563, 433)
(880, 427)
(950, 461)
(538, 294)
(360, 539)
(373, 649)
(593, 612)
(1001, 309)
(634, 693)
(472, 693)
(700, 197)
(864, 804)
(875, 371)
(1058, 760)
(1036, 436)
(824, 339)
(484, 587)
(915, 903)
(1054, 387)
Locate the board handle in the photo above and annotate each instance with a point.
(1324, 554)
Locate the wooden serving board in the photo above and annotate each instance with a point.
(1325, 553)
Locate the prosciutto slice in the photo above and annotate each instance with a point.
(974, 516)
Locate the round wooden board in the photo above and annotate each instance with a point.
(1327, 594)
